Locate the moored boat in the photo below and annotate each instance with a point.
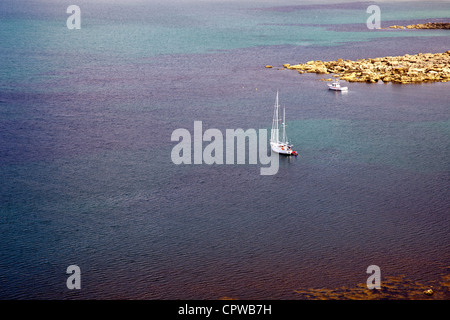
(278, 145)
(336, 86)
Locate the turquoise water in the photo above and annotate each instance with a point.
(145, 30)
(86, 118)
(364, 142)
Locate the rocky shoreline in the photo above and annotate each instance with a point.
(421, 67)
(428, 25)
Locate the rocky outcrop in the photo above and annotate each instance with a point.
(428, 25)
(422, 67)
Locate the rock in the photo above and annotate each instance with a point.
(429, 292)
(422, 67)
(321, 69)
(428, 25)
(396, 27)
(268, 66)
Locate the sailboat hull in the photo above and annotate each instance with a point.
(281, 148)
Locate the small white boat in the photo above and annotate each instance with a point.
(336, 86)
(280, 146)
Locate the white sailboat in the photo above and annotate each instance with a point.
(280, 146)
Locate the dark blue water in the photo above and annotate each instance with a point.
(86, 118)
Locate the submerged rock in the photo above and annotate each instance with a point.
(428, 292)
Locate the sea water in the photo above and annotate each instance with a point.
(86, 118)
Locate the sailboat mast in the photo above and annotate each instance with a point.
(275, 129)
(284, 125)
